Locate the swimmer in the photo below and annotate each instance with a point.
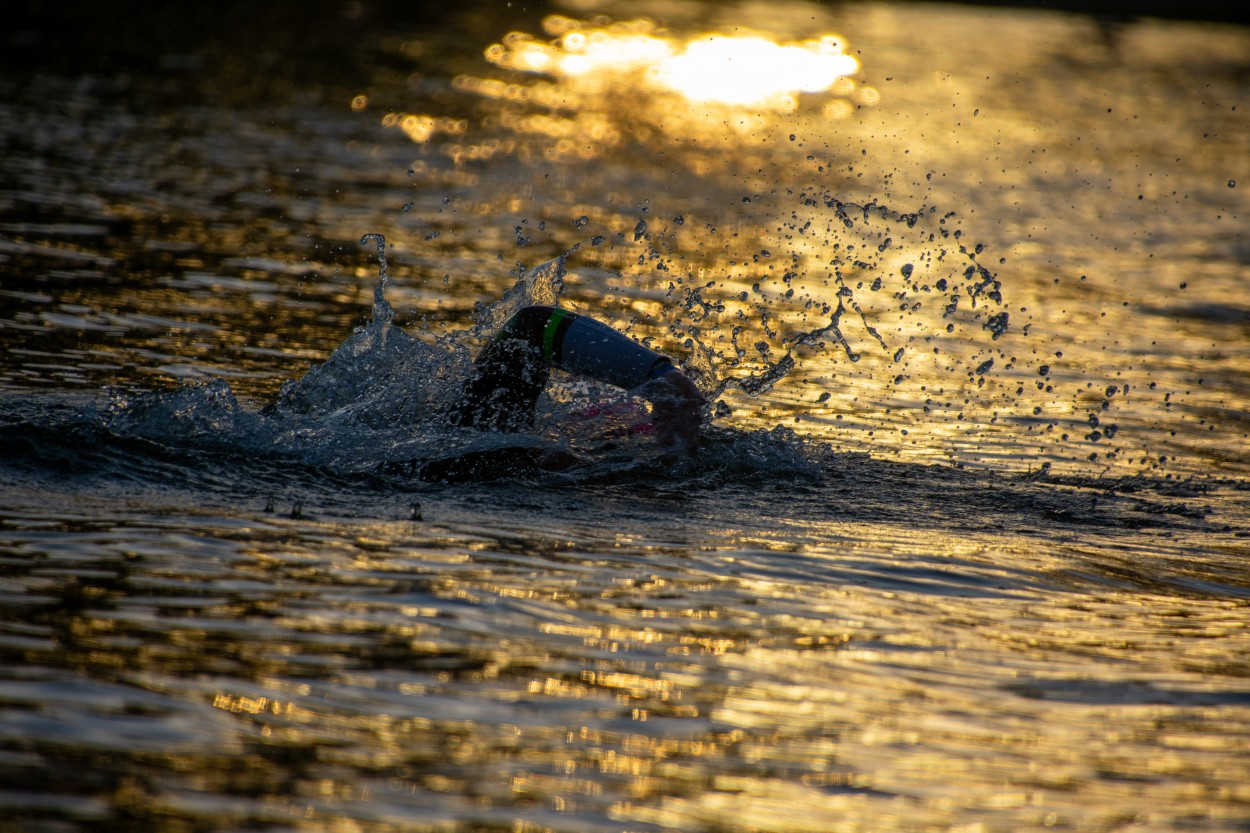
(511, 372)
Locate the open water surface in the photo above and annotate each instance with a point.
(964, 547)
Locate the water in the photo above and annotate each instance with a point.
(964, 546)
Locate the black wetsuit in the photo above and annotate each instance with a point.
(511, 372)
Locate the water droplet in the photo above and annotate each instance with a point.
(1232, 183)
(582, 221)
(640, 230)
(907, 270)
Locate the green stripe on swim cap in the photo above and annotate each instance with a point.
(551, 334)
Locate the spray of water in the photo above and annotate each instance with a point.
(383, 314)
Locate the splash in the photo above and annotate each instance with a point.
(379, 376)
(840, 295)
(207, 414)
(379, 407)
(760, 383)
(382, 311)
(541, 284)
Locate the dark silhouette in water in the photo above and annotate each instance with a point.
(512, 371)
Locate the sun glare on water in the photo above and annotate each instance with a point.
(584, 87)
(746, 70)
(754, 70)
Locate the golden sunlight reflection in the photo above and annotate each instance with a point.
(746, 70)
(754, 70)
(586, 87)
